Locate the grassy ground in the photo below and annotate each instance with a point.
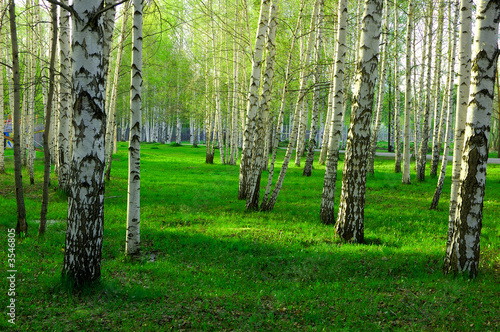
(207, 264)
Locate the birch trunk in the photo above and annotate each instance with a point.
(381, 91)
(424, 145)
(111, 103)
(306, 60)
(326, 132)
(265, 205)
(437, 88)
(22, 226)
(263, 113)
(327, 214)
(31, 94)
(449, 104)
(397, 121)
(464, 70)
(406, 134)
(351, 210)
(46, 133)
(420, 100)
(234, 112)
(316, 101)
(65, 99)
(463, 257)
(132, 242)
(82, 257)
(253, 101)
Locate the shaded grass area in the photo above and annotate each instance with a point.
(206, 264)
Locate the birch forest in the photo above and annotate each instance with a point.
(327, 125)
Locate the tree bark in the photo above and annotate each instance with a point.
(46, 133)
(424, 145)
(463, 257)
(352, 201)
(306, 60)
(83, 249)
(132, 243)
(64, 100)
(262, 117)
(438, 116)
(111, 103)
(406, 134)
(327, 210)
(265, 206)
(253, 101)
(381, 92)
(449, 95)
(397, 121)
(22, 226)
(316, 99)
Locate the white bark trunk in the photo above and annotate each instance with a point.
(132, 244)
(406, 133)
(465, 247)
(82, 257)
(65, 99)
(253, 101)
(461, 112)
(350, 225)
(327, 213)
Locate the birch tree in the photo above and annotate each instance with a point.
(83, 249)
(316, 99)
(327, 214)
(381, 91)
(253, 100)
(258, 161)
(406, 134)
(114, 91)
(352, 200)
(424, 144)
(437, 88)
(30, 99)
(463, 256)
(132, 243)
(397, 121)
(302, 103)
(464, 47)
(449, 104)
(46, 133)
(65, 98)
(268, 202)
(22, 226)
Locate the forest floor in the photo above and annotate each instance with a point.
(207, 264)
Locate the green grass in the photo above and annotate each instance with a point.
(207, 264)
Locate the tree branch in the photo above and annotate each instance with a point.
(68, 8)
(108, 7)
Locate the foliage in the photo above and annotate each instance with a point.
(207, 264)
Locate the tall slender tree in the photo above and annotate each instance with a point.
(464, 56)
(406, 133)
(424, 144)
(463, 256)
(253, 100)
(22, 226)
(132, 245)
(46, 133)
(449, 106)
(327, 212)
(350, 226)
(65, 98)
